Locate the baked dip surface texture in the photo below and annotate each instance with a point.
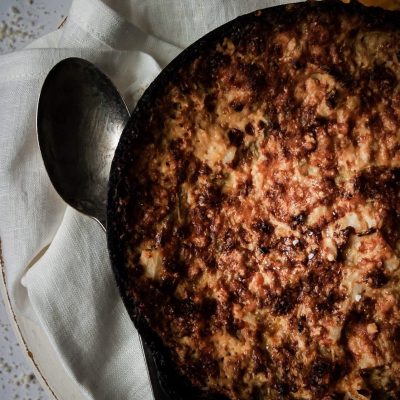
(257, 207)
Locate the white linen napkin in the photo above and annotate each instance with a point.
(70, 288)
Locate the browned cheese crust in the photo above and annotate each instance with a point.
(263, 216)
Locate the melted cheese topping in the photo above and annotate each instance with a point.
(262, 210)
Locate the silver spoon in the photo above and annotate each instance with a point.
(80, 119)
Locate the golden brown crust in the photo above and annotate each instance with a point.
(263, 217)
(386, 4)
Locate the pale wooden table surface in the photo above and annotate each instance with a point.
(22, 21)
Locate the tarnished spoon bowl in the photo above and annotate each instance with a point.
(80, 119)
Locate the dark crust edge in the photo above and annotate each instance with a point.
(178, 387)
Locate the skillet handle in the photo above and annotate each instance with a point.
(157, 389)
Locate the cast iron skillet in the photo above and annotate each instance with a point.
(176, 387)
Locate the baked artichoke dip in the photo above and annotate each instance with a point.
(259, 208)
